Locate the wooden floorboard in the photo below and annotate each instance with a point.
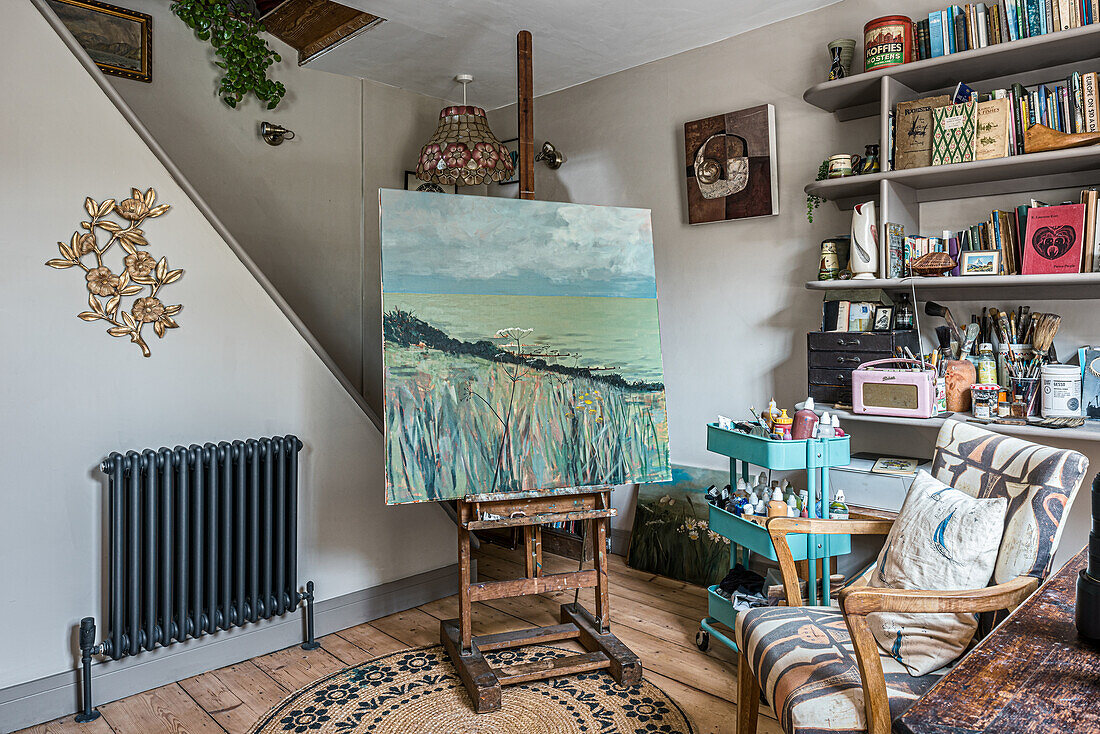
(655, 616)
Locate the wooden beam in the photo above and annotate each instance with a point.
(546, 517)
(520, 638)
(552, 668)
(539, 585)
(526, 115)
(313, 26)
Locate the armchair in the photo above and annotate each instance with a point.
(821, 667)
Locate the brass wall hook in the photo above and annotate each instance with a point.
(275, 134)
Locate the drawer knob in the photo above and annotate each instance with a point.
(848, 342)
(841, 359)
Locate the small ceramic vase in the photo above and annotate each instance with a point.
(864, 253)
(960, 374)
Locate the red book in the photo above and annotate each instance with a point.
(1054, 239)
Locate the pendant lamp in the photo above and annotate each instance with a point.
(463, 151)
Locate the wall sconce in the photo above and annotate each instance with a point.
(551, 156)
(275, 134)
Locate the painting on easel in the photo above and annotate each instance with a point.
(521, 346)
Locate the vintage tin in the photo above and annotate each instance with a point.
(830, 263)
(887, 41)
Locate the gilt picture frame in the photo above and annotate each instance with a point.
(120, 41)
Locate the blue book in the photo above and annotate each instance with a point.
(1044, 22)
(948, 19)
(1043, 118)
(1013, 22)
(1034, 26)
(935, 33)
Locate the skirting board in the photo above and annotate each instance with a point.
(34, 702)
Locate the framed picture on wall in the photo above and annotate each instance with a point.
(120, 41)
(513, 150)
(412, 183)
(732, 170)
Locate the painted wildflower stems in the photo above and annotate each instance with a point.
(139, 269)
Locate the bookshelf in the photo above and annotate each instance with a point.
(859, 95)
(900, 194)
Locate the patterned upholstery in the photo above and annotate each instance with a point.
(803, 656)
(807, 668)
(1039, 482)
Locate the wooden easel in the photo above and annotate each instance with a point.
(531, 510)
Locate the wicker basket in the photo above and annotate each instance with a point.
(932, 264)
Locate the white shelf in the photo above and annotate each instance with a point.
(1014, 174)
(858, 95)
(1070, 287)
(1088, 432)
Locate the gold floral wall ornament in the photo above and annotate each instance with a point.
(139, 270)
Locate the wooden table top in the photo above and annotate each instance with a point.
(1032, 674)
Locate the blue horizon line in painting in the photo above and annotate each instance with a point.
(437, 285)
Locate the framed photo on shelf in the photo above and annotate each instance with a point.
(120, 41)
(884, 318)
(512, 144)
(980, 262)
(412, 183)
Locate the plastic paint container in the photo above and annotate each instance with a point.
(983, 399)
(1061, 391)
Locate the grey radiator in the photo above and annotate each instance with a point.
(201, 539)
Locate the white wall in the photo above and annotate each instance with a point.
(298, 209)
(733, 305)
(71, 394)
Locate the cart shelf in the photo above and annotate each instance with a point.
(815, 456)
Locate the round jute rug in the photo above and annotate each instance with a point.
(418, 692)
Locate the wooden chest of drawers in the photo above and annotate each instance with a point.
(832, 355)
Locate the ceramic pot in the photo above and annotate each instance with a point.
(960, 374)
(864, 253)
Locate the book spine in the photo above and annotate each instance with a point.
(961, 42)
(1033, 25)
(948, 19)
(1010, 18)
(1063, 14)
(1043, 22)
(1077, 102)
(1095, 9)
(995, 35)
(935, 32)
(1092, 118)
(1056, 15)
(983, 28)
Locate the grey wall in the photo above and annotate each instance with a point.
(733, 306)
(297, 209)
(236, 367)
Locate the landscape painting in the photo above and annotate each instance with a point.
(118, 40)
(671, 534)
(521, 346)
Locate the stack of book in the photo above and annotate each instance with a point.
(1030, 240)
(964, 27)
(969, 126)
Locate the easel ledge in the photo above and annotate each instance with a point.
(531, 510)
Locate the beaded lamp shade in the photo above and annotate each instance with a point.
(463, 150)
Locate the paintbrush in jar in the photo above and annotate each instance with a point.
(1046, 326)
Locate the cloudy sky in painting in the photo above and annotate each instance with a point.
(441, 243)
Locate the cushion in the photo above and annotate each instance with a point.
(943, 539)
(1039, 482)
(806, 665)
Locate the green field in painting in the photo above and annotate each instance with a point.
(458, 423)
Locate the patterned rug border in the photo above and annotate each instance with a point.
(273, 711)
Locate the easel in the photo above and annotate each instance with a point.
(531, 510)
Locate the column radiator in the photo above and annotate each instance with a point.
(200, 539)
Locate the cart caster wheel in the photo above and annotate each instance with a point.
(702, 640)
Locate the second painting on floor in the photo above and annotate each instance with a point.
(521, 346)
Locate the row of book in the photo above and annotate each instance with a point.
(969, 126)
(964, 27)
(843, 315)
(1035, 239)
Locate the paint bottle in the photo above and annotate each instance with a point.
(804, 502)
(792, 506)
(804, 421)
(825, 426)
(747, 509)
(838, 432)
(838, 508)
(760, 508)
(987, 365)
(742, 488)
(783, 424)
(771, 414)
(777, 507)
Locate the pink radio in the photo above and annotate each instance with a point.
(910, 392)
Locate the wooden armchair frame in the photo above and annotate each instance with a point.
(856, 602)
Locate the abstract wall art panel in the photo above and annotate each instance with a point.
(732, 166)
(521, 346)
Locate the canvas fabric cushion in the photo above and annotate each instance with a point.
(1039, 482)
(943, 539)
(806, 665)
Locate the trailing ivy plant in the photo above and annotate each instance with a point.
(233, 31)
(813, 201)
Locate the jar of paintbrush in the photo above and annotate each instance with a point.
(1030, 345)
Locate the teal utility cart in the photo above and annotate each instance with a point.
(815, 456)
